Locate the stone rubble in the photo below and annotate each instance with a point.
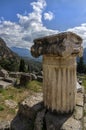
(32, 114)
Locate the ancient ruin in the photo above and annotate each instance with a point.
(61, 93)
(59, 69)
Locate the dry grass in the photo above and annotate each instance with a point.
(17, 95)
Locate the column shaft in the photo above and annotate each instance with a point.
(59, 83)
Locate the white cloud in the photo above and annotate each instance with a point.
(48, 16)
(80, 30)
(28, 28)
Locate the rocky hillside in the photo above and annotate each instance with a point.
(8, 59)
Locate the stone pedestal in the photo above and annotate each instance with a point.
(59, 67)
(59, 84)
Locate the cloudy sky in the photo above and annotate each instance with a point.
(21, 21)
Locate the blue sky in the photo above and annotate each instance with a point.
(23, 21)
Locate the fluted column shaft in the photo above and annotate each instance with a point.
(59, 83)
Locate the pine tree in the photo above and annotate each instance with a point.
(22, 66)
(81, 66)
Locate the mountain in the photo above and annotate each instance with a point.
(23, 52)
(8, 59)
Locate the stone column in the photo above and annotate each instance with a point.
(59, 83)
(59, 67)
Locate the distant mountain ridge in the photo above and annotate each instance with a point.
(8, 59)
(23, 52)
(6, 52)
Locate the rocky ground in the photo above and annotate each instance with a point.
(32, 115)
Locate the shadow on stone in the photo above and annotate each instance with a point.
(25, 118)
(38, 117)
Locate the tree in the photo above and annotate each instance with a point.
(9, 64)
(22, 67)
(81, 66)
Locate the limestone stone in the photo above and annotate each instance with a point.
(10, 80)
(79, 87)
(28, 109)
(39, 121)
(59, 69)
(85, 98)
(4, 84)
(32, 115)
(54, 121)
(62, 44)
(33, 76)
(4, 73)
(24, 79)
(78, 113)
(84, 122)
(85, 106)
(5, 125)
(59, 122)
(72, 124)
(10, 103)
(84, 119)
(40, 78)
(15, 74)
(80, 99)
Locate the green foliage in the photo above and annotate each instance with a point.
(22, 67)
(34, 86)
(1, 108)
(9, 64)
(83, 79)
(33, 65)
(84, 82)
(10, 97)
(81, 67)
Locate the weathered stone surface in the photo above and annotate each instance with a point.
(59, 69)
(32, 115)
(27, 113)
(85, 98)
(62, 122)
(40, 78)
(4, 73)
(59, 83)
(39, 121)
(72, 124)
(21, 123)
(40, 73)
(54, 121)
(33, 76)
(10, 103)
(15, 74)
(84, 123)
(78, 113)
(5, 125)
(79, 87)
(10, 80)
(31, 105)
(85, 106)
(33, 99)
(24, 79)
(4, 84)
(62, 44)
(80, 99)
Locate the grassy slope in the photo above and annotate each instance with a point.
(16, 94)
